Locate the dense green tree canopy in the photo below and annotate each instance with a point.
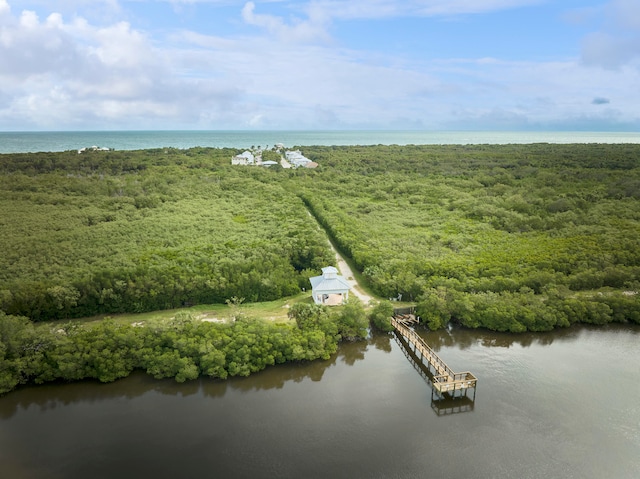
(183, 349)
(107, 232)
(446, 226)
(483, 234)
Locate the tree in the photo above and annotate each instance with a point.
(308, 316)
(235, 304)
(434, 309)
(381, 315)
(64, 298)
(352, 321)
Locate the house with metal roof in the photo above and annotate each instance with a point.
(330, 288)
(245, 158)
(296, 158)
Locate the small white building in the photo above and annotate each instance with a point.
(330, 288)
(296, 159)
(245, 158)
(93, 148)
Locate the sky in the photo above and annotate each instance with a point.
(320, 65)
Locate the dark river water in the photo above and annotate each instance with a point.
(558, 405)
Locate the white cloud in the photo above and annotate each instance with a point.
(99, 10)
(318, 15)
(4, 7)
(366, 9)
(560, 92)
(314, 86)
(626, 14)
(77, 75)
(458, 7)
(412, 8)
(74, 72)
(617, 42)
(609, 50)
(297, 30)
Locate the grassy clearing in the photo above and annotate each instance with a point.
(271, 310)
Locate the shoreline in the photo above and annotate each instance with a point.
(131, 140)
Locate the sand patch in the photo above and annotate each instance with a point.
(210, 319)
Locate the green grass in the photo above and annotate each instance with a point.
(271, 310)
(275, 311)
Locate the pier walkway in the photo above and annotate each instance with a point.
(445, 380)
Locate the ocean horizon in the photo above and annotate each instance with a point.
(54, 141)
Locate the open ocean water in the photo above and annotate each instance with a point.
(24, 142)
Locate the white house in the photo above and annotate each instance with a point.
(245, 158)
(296, 159)
(93, 148)
(330, 288)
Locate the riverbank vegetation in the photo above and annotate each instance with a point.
(183, 348)
(510, 238)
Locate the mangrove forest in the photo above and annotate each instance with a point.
(505, 237)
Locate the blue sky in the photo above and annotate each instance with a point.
(320, 64)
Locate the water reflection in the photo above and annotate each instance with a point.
(444, 404)
(448, 406)
(381, 341)
(49, 396)
(462, 338)
(538, 414)
(353, 353)
(422, 370)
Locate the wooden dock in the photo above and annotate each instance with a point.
(445, 380)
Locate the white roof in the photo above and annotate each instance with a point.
(330, 282)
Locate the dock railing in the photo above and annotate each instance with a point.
(445, 380)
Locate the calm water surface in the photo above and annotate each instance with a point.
(559, 405)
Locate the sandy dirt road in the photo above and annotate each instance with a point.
(345, 270)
